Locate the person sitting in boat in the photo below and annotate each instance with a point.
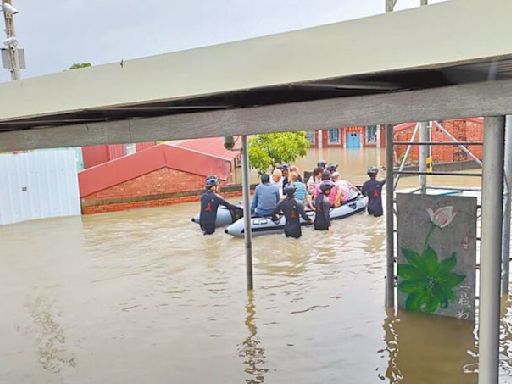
(285, 171)
(210, 202)
(321, 164)
(314, 180)
(346, 190)
(301, 190)
(266, 197)
(277, 179)
(294, 168)
(372, 189)
(323, 208)
(331, 168)
(292, 211)
(333, 192)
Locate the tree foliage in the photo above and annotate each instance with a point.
(269, 149)
(80, 65)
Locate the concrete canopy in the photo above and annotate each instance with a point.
(345, 64)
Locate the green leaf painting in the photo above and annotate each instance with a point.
(428, 282)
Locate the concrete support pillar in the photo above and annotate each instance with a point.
(490, 250)
(247, 211)
(507, 208)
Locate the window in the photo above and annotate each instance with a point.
(371, 134)
(310, 135)
(334, 136)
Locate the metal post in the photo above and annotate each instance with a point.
(390, 241)
(11, 46)
(490, 249)
(247, 210)
(507, 209)
(390, 5)
(423, 150)
(406, 155)
(378, 145)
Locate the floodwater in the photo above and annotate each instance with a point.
(142, 297)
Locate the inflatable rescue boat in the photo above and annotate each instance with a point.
(265, 225)
(224, 217)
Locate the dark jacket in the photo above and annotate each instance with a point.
(322, 212)
(291, 210)
(210, 202)
(372, 189)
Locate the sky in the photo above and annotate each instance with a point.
(56, 34)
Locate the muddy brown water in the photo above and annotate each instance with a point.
(141, 296)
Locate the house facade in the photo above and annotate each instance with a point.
(348, 137)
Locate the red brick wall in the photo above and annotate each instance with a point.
(463, 130)
(151, 203)
(161, 181)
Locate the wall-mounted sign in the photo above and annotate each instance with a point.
(437, 254)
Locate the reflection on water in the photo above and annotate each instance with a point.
(429, 349)
(352, 163)
(53, 355)
(252, 350)
(393, 372)
(142, 296)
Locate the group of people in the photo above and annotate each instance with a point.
(285, 193)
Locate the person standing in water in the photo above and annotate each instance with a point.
(210, 202)
(323, 208)
(373, 189)
(292, 211)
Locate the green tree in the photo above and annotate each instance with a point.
(269, 149)
(80, 65)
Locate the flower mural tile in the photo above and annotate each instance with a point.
(437, 254)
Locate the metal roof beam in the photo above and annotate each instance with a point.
(491, 98)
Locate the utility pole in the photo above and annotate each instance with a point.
(13, 64)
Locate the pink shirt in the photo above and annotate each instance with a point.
(347, 189)
(332, 194)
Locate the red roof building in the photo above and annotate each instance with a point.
(161, 174)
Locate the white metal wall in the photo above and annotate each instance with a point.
(37, 185)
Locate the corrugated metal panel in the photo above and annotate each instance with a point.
(79, 160)
(94, 155)
(38, 185)
(211, 146)
(115, 151)
(146, 145)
